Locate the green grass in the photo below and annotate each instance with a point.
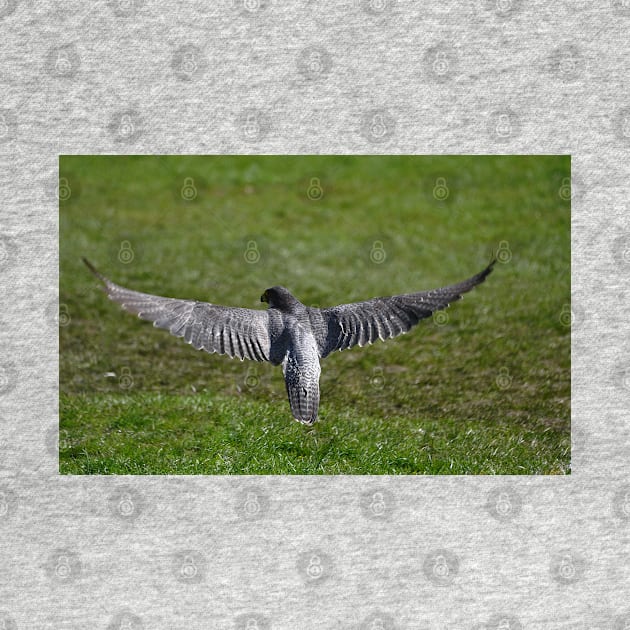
(486, 392)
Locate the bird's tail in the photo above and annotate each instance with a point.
(302, 381)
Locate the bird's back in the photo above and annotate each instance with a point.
(301, 371)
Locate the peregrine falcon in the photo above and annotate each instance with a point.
(288, 333)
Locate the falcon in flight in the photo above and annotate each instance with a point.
(288, 333)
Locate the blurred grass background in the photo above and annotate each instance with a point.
(486, 390)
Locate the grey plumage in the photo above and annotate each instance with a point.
(288, 333)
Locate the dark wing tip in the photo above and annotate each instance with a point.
(488, 270)
(95, 271)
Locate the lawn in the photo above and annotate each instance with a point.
(483, 388)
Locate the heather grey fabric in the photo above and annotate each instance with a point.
(364, 76)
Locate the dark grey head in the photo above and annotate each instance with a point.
(280, 298)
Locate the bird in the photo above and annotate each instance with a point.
(288, 333)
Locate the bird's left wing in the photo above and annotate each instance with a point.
(361, 323)
(237, 332)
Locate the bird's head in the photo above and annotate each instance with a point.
(280, 298)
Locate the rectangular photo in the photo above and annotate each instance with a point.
(298, 315)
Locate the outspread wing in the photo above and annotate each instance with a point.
(237, 332)
(361, 323)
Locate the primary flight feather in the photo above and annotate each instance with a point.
(288, 333)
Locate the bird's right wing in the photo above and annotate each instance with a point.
(361, 323)
(237, 332)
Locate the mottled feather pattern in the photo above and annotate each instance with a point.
(288, 333)
(382, 318)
